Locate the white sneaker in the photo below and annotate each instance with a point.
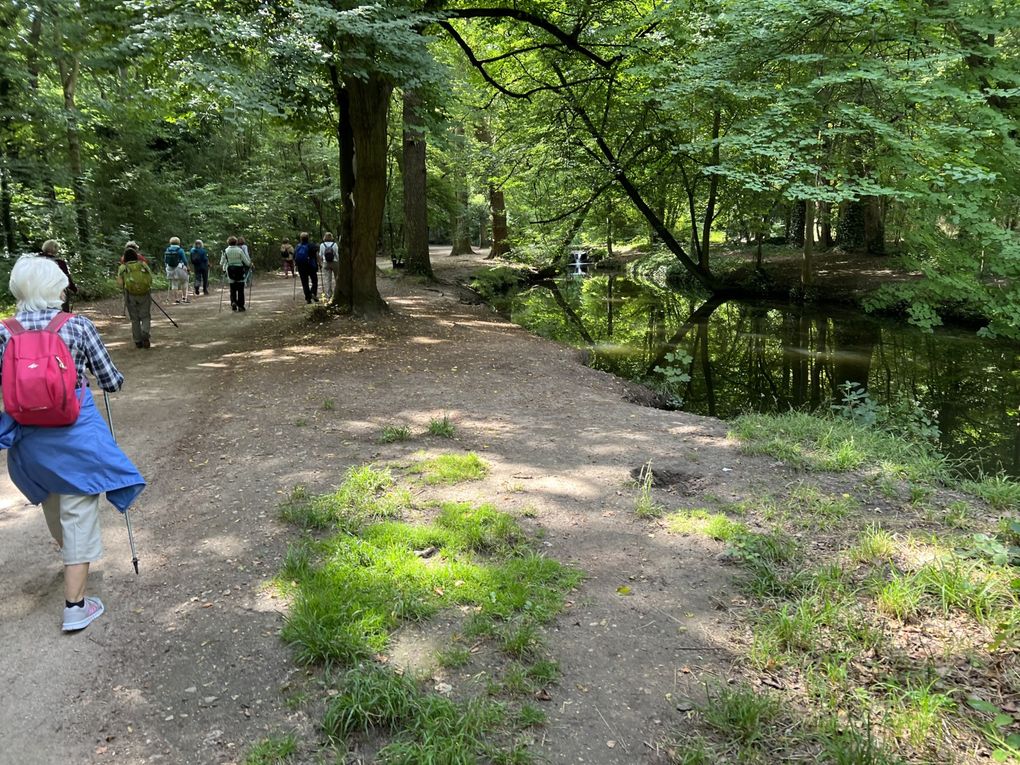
(80, 617)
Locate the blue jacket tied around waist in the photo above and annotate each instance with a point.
(82, 458)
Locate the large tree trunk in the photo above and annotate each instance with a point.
(497, 203)
(860, 227)
(369, 104)
(416, 227)
(342, 295)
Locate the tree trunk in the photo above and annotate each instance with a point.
(497, 203)
(825, 219)
(69, 81)
(368, 107)
(416, 226)
(342, 294)
(874, 226)
(461, 234)
(713, 190)
(797, 224)
(806, 267)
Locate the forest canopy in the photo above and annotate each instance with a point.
(881, 127)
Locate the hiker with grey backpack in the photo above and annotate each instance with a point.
(60, 452)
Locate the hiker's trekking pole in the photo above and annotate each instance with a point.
(156, 303)
(127, 518)
(222, 281)
(293, 278)
(251, 282)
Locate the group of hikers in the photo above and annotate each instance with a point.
(61, 453)
(309, 260)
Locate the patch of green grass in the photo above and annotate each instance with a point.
(874, 544)
(451, 468)
(420, 727)
(917, 715)
(366, 493)
(900, 597)
(276, 750)
(393, 433)
(328, 405)
(442, 427)
(957, 515)
(705, 523)
(530, 716)
(818, 443)
(740, 714)
(454, 657)
(300, 422)
(1001, 492)
(812, 508)
(350, 591)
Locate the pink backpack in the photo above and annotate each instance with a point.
(39, 375)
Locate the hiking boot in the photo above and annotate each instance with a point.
(139, 345)
(80, 617)
(145, 343)
(241, 308)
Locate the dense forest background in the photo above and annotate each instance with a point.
(882, 127)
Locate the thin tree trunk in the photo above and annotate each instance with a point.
(497, 203)
(806, 267)
(713, 189)
(461, 235)
(415, 176)
(69, 81)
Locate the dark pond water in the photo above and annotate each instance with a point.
(727, 358)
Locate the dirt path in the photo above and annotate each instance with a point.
(226, 415)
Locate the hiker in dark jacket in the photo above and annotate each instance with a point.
(66, 468)
(306, 257)
(200, 266)
(50, 249)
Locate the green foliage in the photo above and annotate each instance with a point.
(712, 525)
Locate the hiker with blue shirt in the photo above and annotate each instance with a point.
(200, 266)
(175, 259)
(66, 468)
(306, 258)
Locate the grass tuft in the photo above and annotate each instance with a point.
(394, 433)
(276, 750)
(442, 428)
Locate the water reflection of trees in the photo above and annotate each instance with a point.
(773, 357)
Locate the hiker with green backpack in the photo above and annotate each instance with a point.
(135, 278)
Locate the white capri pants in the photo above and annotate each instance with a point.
(73, 520)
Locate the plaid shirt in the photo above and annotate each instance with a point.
(82, 339)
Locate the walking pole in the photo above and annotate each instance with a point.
(293, 278)
(127, 518)
(156, 303)
(251, 282)
(222, 279)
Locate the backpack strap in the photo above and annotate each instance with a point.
(57, 321)
(13, 326)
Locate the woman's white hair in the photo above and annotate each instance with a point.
(37, 283)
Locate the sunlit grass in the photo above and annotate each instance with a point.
(366, 493)
(451, 468)
(816, 443)
(1000, 492)
(276, 750)
(704, 523)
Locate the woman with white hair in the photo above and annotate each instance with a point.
(66, 468)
